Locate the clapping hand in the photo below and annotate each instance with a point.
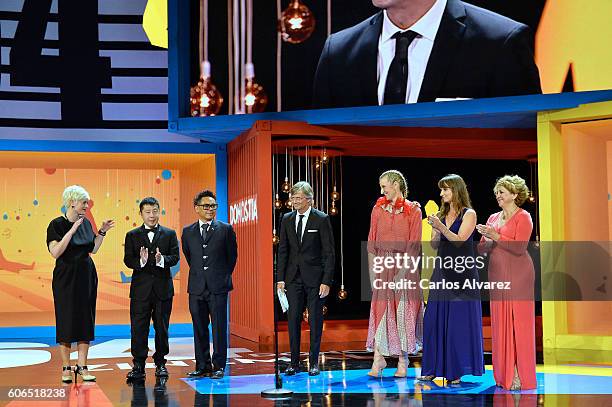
(144, 254)
(435, 222)
(488, 232)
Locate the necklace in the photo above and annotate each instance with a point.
(504, 217)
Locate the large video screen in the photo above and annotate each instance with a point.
(327, 54)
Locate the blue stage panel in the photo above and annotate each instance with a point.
(358, 382)
(501, 112)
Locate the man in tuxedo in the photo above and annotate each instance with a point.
(305, 268)
(150, 251)
(211, 251)
(422, 50)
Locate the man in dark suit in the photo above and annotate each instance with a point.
(422, 50)
(305, 268)
(211, 251)
(150, 251)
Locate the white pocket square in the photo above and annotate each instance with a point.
(450, 99)
(312, 230)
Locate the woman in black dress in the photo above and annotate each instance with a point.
(70, 240)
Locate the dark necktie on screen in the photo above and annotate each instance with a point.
(397, 77)
(299, 228)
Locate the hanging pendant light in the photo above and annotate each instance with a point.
(297, 23)
(286, 187)
(342, 294)
(255, 98)
(278, 204)
(333, 210)
(324, 157)
(275, 238)
(335, 195)
(205, 98)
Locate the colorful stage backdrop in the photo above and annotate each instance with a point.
(31, 186)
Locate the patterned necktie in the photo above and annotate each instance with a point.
(397, 77)
(205, 227)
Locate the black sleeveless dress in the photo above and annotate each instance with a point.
(75, 282)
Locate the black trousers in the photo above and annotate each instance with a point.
(296, 292)
(141, 313)
(203, 308)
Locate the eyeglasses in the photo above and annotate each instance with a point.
(299, 198)
(207, 206)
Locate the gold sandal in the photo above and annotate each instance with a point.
(82, 370)
(66, 374)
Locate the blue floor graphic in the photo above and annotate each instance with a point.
(357, 381)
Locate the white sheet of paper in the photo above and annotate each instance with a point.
(282, 299)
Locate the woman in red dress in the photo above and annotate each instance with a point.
(505, 237)
(396, 313)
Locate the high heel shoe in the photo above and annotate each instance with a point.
(82, 370)
(66, 374)
(516, 383)
(378, 366)
(516, 380)
(428, 378)
(401, 367)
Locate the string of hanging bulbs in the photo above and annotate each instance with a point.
(295, 25)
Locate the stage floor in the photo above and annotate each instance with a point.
(574, 378)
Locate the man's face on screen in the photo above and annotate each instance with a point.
(384, 4)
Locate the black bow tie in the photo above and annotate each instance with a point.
(154, 230)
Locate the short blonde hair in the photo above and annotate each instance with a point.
(396, 176)
(74, 193)
(304, 187)
(515, 185)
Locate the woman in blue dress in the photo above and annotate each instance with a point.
(452, 337)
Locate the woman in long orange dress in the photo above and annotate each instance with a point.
(396, 314)
(506, 237)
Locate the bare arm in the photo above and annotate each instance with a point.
(106, 226)
(435, 239)
(58, 248)
(468, 224)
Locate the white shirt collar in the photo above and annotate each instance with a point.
(427, 26)
(204, 223)
(151, 229)
(306, 214)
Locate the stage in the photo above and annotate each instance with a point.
(35, 363)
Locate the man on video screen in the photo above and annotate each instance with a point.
(426, 50)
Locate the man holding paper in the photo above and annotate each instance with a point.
(305, 266)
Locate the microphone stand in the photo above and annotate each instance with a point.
(277, 392)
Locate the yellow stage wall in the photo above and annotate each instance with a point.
(575, 180)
